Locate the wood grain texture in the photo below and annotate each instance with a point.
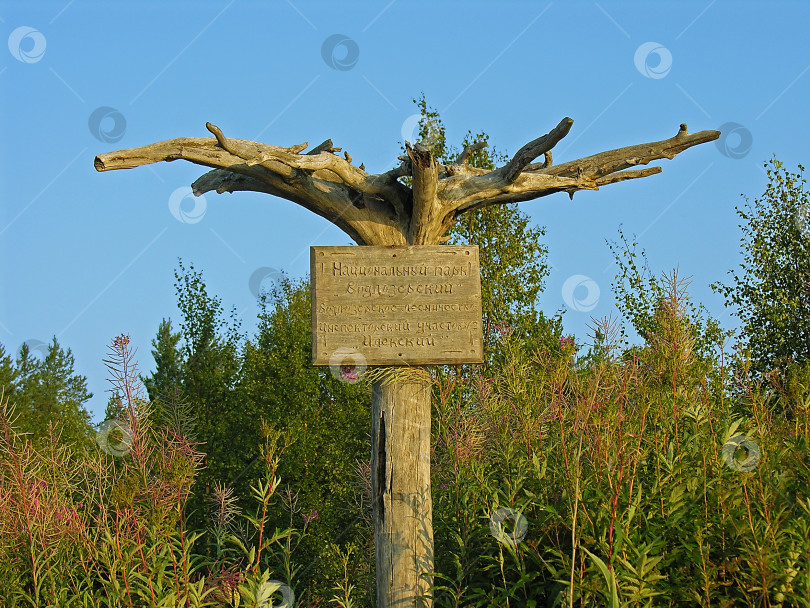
(379, 209)
(417, 305)
(400, 488)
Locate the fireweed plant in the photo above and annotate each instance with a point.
(107, 528)
(631, 476)
(651, 475)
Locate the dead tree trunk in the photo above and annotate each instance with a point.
(381, 210)
(400, 486)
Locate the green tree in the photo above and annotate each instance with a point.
(512, 256)
(168, 376)
(328, 423)
(228, 388)
(769, 292)
(641, 296)
(49, 392)
(193, 385)
(8, 372)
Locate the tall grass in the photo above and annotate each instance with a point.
(645, 476)
(109, 528)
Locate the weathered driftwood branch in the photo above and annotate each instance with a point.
(464, 157)
(533, 149)
(425, 170)
(324, 147)
(379, 209)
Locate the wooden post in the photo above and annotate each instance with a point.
(403, 507)
(380, 210)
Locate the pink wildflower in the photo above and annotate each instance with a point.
(502, 328)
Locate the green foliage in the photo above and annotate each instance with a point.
(108, 527)
(770, 292)
(48, 392)
(646, 302)
(327, 421)
(8, 371)
(225, 386)
(168, 358)
(196, 373)
(554, 484)
(513, 266)
(628, 497)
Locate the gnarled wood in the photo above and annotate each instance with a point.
(378, 209)
(425, 170)
(533, 149)
(464, 157)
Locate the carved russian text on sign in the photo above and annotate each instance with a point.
(418, 305)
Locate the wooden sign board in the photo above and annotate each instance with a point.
(417, 305)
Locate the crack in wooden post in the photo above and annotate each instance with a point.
(381, 468)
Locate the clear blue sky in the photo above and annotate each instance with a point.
(86, 256)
